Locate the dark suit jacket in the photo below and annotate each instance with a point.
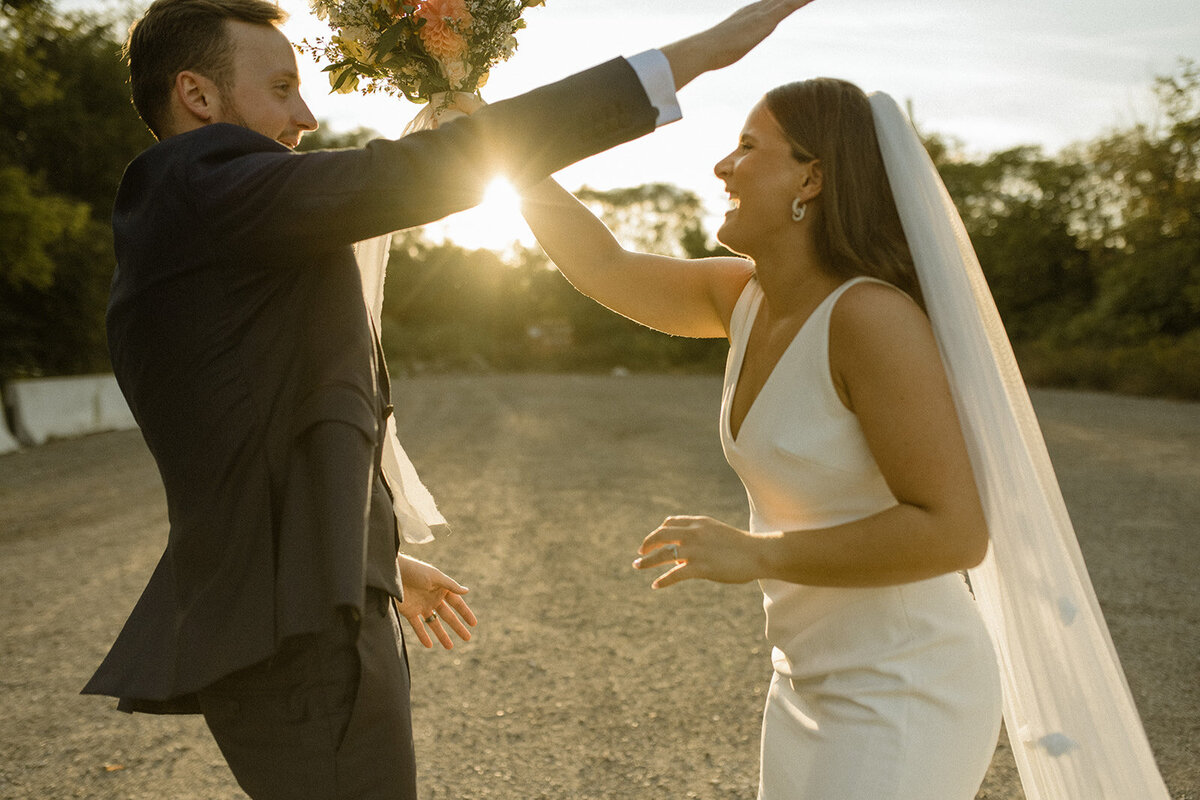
(240, 338)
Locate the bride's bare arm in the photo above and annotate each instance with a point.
(729, 40)
(678, 296)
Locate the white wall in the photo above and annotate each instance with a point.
(7, 442)
(53, 408)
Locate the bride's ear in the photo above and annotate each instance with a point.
(196, 95)
(812, 180)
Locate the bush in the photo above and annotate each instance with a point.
(1167, 367)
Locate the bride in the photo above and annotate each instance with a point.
(872, 410)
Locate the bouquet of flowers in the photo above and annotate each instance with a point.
(416, 48)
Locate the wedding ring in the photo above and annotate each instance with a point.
(429, 620)
(673, 549)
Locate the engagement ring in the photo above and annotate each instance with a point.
(673, 549)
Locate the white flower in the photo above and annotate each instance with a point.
(456, 72)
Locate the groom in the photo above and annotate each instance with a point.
(241, 341)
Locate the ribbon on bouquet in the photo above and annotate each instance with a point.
(416, 512)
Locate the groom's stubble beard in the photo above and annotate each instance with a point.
(233, 114)
(235, 118)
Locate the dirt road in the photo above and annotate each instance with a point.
(581, 682)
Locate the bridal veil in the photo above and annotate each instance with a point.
(1071, 720)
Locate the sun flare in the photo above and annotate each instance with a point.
(495, 224)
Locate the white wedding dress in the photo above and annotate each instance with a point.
(879, 693)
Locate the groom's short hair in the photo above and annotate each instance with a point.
(177, 35)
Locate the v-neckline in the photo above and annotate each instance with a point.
(737, 378)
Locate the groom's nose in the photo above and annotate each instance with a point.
(304, 119)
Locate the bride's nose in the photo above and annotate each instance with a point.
(723, 167)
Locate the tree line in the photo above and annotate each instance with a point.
(1092, 254)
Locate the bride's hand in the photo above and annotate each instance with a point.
(433, 598)
(726, 42)
(699, 547)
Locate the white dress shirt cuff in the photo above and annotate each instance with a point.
(654, 71)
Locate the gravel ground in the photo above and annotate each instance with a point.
(580, 681)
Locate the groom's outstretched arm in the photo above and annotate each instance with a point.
(270, 200)
(726, 42)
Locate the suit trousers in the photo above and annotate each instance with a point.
(326, 718)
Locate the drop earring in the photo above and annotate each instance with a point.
(798, 210)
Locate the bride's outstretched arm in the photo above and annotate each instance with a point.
(726, 42)
(678, 296)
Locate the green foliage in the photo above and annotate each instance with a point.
(58, 329)
(1094, 256)
(1144, 197)
(324, 139)
(1012, 204)
(1164, 366)
(67, 114)
(449, 308)
(652, 218)
(31, 222)
(67, 132)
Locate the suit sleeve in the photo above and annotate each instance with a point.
(654, 71)
(271, 198)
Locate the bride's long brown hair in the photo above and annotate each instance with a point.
(830, 119)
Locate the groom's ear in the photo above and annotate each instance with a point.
(197, 97)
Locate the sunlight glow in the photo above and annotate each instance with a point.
(495, 224)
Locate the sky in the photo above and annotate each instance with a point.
(990, 74)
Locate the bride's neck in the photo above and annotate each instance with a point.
(792, 277)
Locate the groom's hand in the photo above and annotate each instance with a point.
(726, 42)
(435, 599)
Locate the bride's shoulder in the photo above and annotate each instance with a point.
(732, 280)
(873, 315)
(733, 273)
(862, 298)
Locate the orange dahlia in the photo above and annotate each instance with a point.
(445, 23)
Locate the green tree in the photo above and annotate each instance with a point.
(654, 218)
(325, 139)
(67, 114)
(1143, 219)
(1094, 255)
(1015, 207)
(447, 307)
(67, 132)
(58, 329)
(32, 221)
